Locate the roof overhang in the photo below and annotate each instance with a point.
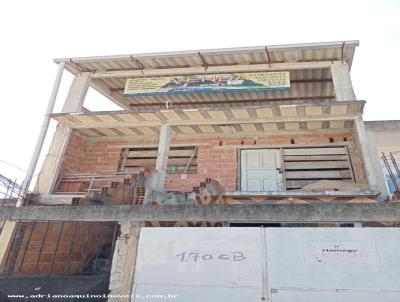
(339, 50)
(308, 65)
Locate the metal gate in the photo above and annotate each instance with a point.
(262, 264)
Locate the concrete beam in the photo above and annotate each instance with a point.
(316, 212)
(57, 199)
(212, 69)
(342, 82)
(223, 121)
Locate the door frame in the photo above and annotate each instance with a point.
(239, 165)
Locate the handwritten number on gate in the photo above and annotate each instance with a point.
(205, 257)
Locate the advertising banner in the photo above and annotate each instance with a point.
(233, 82)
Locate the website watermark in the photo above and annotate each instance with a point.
(93, 296)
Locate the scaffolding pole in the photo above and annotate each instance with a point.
(42, 135)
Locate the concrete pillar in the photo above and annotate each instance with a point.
(124, 262)
(342, 82)
(5, 240)
(52, 163)
(77, 93)
(372, 169)
(158, 179)
(48, 174)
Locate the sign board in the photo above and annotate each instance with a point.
(232, 82)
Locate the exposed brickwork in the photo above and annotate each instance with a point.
(102, 157)
(77, 243)
(74, 154)
(217, 157)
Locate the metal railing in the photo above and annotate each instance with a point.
(10, 191)
(393, 170)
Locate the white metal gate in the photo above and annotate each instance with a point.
(261, 170)
(268, 264)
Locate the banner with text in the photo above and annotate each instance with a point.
(233, 82)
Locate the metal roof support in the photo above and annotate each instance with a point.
(77, 66)
(42, 135)
(344, 43)
(203, 60)
(138, 62)
(269, 58)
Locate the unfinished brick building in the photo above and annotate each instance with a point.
(276, 125)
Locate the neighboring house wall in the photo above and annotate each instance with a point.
(386, 137)
(217, 157)
(386, 133)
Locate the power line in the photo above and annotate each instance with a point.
(12, 165)
(16, 167)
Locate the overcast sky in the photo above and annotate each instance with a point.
(35, 32)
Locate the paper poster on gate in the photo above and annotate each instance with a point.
(340, 252)
(232, 82)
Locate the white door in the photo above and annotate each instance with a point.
(261, 170)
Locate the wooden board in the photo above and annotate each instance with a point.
(317, 174)
(304, 166)
(298, 184)
(182, 159)
(316, 165)
(288, 158)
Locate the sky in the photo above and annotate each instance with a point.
(33, 33)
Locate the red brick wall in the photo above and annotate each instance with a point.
(102, 157)
(212, 162)
(216, 159)
(39, 253)
(74, 154)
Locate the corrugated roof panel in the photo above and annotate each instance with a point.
(298, 90)
(308, 51)
(148, 63)
(219, 57)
